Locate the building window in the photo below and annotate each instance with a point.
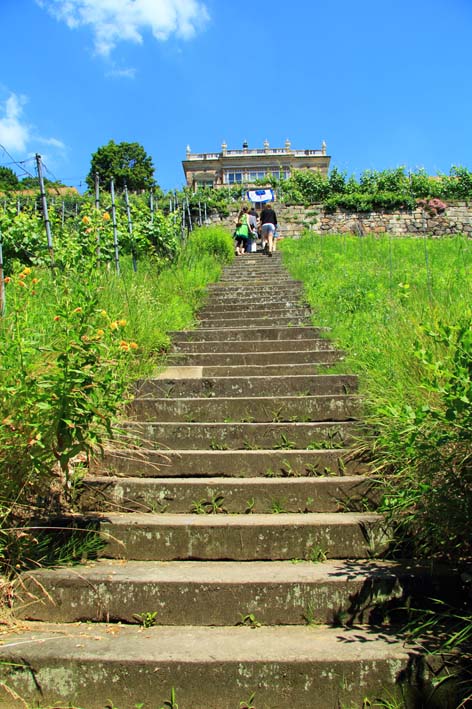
(201, 184)
(233, 178)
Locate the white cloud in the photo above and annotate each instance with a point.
(14, 133)
(113, 21)
(116, 73)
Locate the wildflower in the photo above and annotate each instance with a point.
(106, 217)
(57, 317)
(89, 230)
(27, 271)
(22, 283)
(122, 323)
(103, 313)
(124, 345)
(22, 275)
(7, 279)
(100, 332)
(133, 346)
(35, 280)
(113, 325)
(77, 310)
(86, 220)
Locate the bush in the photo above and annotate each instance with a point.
(213, 241)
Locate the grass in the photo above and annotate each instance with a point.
(400, 308)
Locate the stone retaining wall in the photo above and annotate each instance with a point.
(293, 220)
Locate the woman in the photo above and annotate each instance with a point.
(242, 231)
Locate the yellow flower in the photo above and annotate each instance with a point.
(113, 325)
(85, 220)
(100, 332)
(103, 313)
(122, 323)
(106, 217)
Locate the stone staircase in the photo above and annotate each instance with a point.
(241, 556)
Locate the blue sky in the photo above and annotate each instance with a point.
(383, 83)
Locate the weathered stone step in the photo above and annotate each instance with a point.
(207, 593)
(228, 495)
(151, 462)
(168, 537)
(223, 436)
(302, 667)
(263, 312)
(241, 282)
(256, 321)
(251, 370)
(262, 409)
(285, 290)
(254, 345)
(295, 385)
(242, 335)
(254, 299)
(251, 306)
(243, 358)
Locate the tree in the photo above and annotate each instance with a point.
(8, 179)
(126, 163)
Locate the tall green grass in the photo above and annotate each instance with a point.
(71, 343)
(401, 309)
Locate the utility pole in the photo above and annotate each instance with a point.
(2, 282)
(97, 191)
(115, 230)
(130, 230)
(44, 204)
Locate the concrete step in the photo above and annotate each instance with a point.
(271, 537)
(256, 321)
(210, 593)
(261, 358)
(185, 463)
(254, 345)
(253, 299)
(251, 306)
(332, 410)
(217, 668)
(289, 289)
(251, 370)
(228, 495)
(295, 385)
(262, 312)
(222, 436)
(265, 333)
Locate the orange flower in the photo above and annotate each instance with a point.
(106, 217)
(85, 220)
(100, 332)
(22, 275)
(122, 323)
(7, 279)
(22, 283)
(77, 310)
(35, 280)
(113, 325)
(124, 345)
(57, 317)
(133, 346)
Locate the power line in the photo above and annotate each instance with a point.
(20, 164)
